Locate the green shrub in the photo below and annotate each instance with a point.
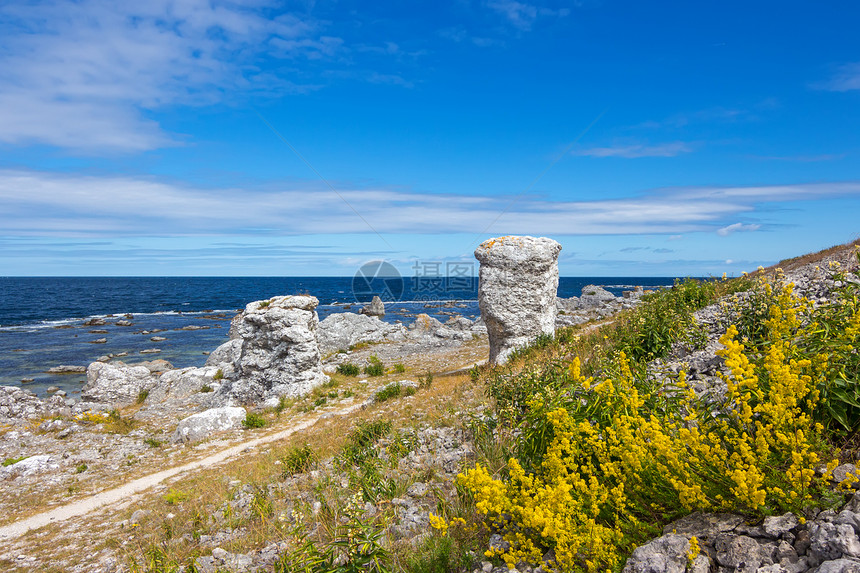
(353, 546)
(206, 388)
(399, 368)
(409, 391)
(219, 375)
(388, 392)
(9, 461)
(425, 381)
(298, 460)
(348, 369)
(359, 442)
(375, 366)
(81, 469)
(152, 442)
(116, 424)
(438, 554)
(141, 396)
(174, 496)
(253, 420)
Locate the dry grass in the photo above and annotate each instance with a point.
(797, 262)
(177, 527)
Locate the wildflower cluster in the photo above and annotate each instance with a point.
(603, 459)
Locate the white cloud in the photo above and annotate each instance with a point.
(523, 15)
(846, 78)
(85, 74)
(638, 150)
(737, 228)
(45, 204)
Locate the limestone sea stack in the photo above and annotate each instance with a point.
(277, 353)
(517, 289)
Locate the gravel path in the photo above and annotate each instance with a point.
(122, 493)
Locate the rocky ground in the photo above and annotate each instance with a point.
(128, 425)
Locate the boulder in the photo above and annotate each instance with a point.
(342, 330)
(424, 324)
(375, 308)
(18, 405)
(279, 355)
(517, 291)
(31, 466)
(593, 296)
(459, 323)
(200, 426)
(67, 369)
(833, 540)
(226, 357)
(116, 383)
(182, 383)
(667, 554)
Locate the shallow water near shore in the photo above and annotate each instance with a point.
(42, 318)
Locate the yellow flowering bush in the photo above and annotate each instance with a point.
(601, 461)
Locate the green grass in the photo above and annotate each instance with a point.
(388, 392)
(253, 420)
(348, 369)
(298, 460)
(375, 366)
(9, 461)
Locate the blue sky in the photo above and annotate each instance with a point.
(648, 138)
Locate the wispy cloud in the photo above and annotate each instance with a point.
(801, 158)
(846, 78)
(97, 68)
(635, 151)
(52, 205)
(523, 15)
(648, 249)
(737, 228)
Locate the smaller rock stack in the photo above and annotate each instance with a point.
(375, 308)
(517, 291)
(274, 350)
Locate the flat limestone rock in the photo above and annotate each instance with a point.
(199, 426)
(116, 383)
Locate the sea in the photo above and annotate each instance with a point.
(42, 319)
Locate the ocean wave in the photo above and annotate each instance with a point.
(79, 321)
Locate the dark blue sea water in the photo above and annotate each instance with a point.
(42, 318)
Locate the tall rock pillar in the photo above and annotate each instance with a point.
(517, 291)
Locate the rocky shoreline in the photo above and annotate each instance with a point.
(189, 411)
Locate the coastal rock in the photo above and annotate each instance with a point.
(182, 383)
(67, 369)
(424, 324)
(375, 308)
(31, 466)
(517, 291)
(667, 554)
(568, 304)
(156, 366)
(226, 357)
(279, 355)
(199, 426)
(116, 383)
(593, 296)
(342, 330)
(18, 405)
